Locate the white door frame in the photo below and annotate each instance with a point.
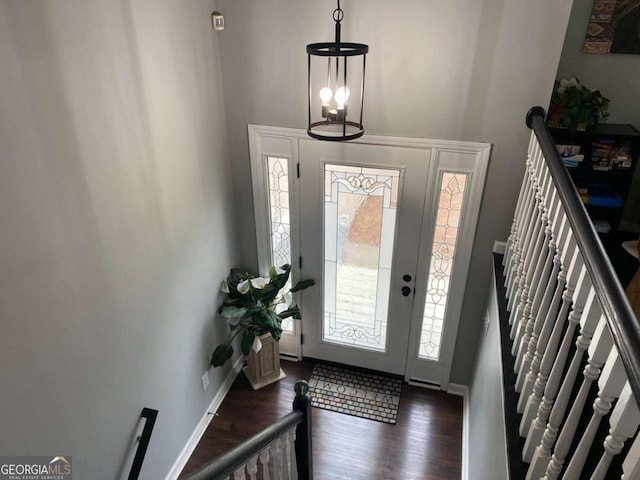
(284, 142)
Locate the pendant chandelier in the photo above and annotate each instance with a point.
(336, 87)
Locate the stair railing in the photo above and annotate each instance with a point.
(572, 329)
(282, 451)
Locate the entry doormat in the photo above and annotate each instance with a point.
(366, 395)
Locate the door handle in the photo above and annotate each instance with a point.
(406, 291)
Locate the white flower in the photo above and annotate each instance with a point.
(564, 84)
(243, 286)
(257, 345)
(283, 302)
(259, 282)
(233, 320)
(224, 288)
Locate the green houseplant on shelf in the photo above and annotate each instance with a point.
(575, 106)
(255, 307)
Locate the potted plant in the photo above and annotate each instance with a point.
(575, 106)
(254, 309)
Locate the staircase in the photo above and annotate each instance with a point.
(282, 451)
(572, 342)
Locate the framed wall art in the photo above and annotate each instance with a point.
(614, 27)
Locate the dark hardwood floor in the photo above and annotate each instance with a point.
(425, 443)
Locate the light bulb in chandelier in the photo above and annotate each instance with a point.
(325, 95)
(341, 97)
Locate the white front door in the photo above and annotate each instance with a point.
(361, 215)
(385, 227)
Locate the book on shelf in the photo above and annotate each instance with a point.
(570, 155)
(601, 226)
(599, 196)
(603, 196)
(601, 154)
(621, 158)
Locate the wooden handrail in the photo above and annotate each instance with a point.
(616, 308)
(224, 465)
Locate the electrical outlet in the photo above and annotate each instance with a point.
(205, 380)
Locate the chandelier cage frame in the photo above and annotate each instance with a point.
(332, 124)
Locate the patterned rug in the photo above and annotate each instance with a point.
(366, 395)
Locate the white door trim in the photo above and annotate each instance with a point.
(285, 142)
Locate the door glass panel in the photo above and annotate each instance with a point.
(449, 208)
(279, 219)
(359, 225)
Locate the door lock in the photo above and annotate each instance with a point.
(406, 291)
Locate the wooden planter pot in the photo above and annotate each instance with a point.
(263, 368)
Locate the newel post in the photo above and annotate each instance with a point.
(304, 457)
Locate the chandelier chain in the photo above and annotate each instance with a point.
(338, 14)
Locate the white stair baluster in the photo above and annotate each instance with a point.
(252, 468)
(610, 383)
(535, 451)
(276, 455)
(539, 288)
(624, 422)
(542, 327)
(512, 278)
(547, 351)
(546, 386)
(239, 474)
(551, 300)
(558, 406)
(534, 272)
(292, 454)
(286, 440)
(514, 290)
(511, 240)
(521, 221)
(522, 288)
(598, 352)
(265, 460)
(550, 349)
(631, 465)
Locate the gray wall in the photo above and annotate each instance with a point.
(487, 455)
(116, 226)
(616, 76)
(459, 70)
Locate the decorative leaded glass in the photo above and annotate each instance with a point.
(277, 173)
(359, 225)
(444, 245)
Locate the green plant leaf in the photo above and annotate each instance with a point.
(301, 285)
(232, 311)
(273, 273)
(291, 312)
(221, 354)
(247, 340)
(273, 324)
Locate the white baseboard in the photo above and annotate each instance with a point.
(463, 391)
(204, 422)
(499, 247)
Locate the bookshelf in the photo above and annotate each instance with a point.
(602, 163)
